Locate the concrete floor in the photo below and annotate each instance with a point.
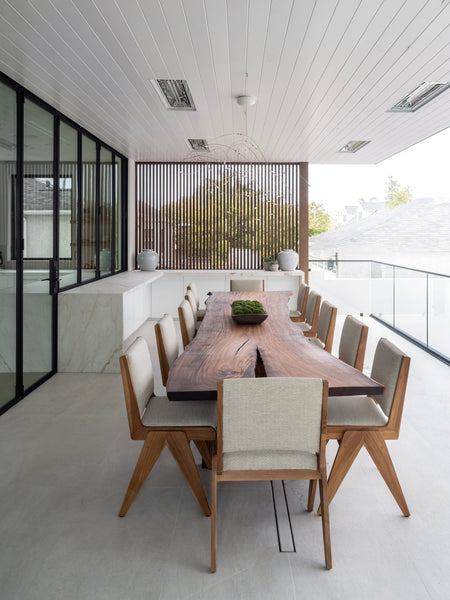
(65, 463)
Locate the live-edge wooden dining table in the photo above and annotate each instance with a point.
(275, 348)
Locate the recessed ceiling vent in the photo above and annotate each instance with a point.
(420, 96)
(198, 145)
(353, 146)
(174, 93)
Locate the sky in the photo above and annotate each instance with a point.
(424, 168)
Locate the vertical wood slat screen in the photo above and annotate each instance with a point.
(217, 216)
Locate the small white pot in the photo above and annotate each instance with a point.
(147, 260)
(288, 260)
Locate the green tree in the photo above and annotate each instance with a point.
(319, 219)
(395, 196)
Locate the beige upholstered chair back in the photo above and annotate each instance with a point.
(247, 285)
(272, 414)
(187, 322)
(191, 299)
(167, 342)
(193, 287)
(313, 298)
(349, 345)
(141, 371)
(302, 292)
(323, 325)
(386, 370)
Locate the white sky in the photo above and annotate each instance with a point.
(424, 167)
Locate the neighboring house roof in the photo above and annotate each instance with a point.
(418, 226)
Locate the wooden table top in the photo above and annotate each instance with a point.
(275, 348)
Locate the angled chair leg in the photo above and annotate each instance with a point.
(312, 494)
(325, 521)
(151, 450)
(214, 514)
(204, 449)
(178, 444)
(376, 447)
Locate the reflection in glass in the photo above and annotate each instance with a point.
(38, 242)
(7, 266)
(439, 314)
(88, 208)
(106, 200)
(382, 292)
(118, 215)
(68, 194)
(411, 303)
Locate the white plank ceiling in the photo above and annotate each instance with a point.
(324, 72)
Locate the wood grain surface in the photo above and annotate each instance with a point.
(223, 349)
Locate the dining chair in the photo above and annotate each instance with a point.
(167, 344)
(247, 285)
(325, 326)
(161, 423)
(302, 297)
(187, 322)
(357, 421)
(352, 346)
(271, 428)
(309, 325)
(189, 296)
(200, 311)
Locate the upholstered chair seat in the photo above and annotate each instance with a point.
(355, 411)
(161, 412)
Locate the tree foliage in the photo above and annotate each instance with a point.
(395, 196)
(319, 219)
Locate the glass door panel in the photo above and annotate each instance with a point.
(7, 238)
(88, 200)
(38, 185)
(68, 213)
(106, 211)
(118, 214)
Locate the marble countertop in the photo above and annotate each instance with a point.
(226, 272)
(118, 284)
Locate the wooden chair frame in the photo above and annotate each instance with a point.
(162, 355)
(301, 316)
(361, 352)
(184, 332)
(352, 438)
(313, 331)
(313, 475)
(155, 439)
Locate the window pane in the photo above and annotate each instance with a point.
(88, 263)
(106, 199)
(118, 215)
(68, 214)
(7, 265)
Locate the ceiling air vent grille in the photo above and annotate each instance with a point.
(198, 145)
(353, 146)
(174, 93)
(420, 96)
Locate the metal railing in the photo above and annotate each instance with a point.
(412, 302)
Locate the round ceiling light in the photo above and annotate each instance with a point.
(246, 100)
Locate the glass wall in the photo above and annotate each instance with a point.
(61, 207)
(8, 207)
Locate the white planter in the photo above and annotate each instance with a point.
(147, 260)
(288, 260)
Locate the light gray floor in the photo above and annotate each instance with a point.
(65, 463)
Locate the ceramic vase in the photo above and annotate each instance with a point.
(288, 260)
(147, 260)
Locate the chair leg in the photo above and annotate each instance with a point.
(204, 449)
(178, 444)
(151, 451)
(312, 493)
(348, 450)
(376, 447)
(323, 490)
(214, 514)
